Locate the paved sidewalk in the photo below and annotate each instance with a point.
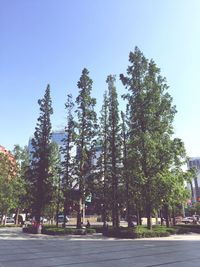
(16, 233)
(23, 250)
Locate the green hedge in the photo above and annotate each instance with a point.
(100, 228)
(139, 232)
(10, 225)
(53, 230)
(30, 229)
(186, 228)
(67, 231)
(122, 232)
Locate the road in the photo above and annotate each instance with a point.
(22, 250)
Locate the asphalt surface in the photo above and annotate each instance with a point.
(24, 250)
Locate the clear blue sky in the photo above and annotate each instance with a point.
(51, 41)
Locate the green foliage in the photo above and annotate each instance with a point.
(139, 232)
(114, 149)
(153, 152)
(68, 164)
(188, 228)
(10, 183)
(66, 231)
(138, 171)
(86, 137)
(22, 199)
(40, 173)
(55, 193)
(194, 209)
(30, 229)
(9, 225)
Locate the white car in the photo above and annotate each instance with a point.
(43, 220)
(187, 220)
(10, 220)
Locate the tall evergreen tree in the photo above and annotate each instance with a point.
(86, 136)
(55, 193)
(40, 165)
(102, 162)
(126, 173)
(68, 162)
(150, 121)
(114, 147)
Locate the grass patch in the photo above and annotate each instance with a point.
(10, 225)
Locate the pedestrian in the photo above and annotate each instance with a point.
(88, 224)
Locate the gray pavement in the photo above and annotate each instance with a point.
(22, 250)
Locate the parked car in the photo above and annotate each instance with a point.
(10, 220)
(61, 219)
(187, 220)
(43, 220)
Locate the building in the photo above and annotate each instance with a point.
(194, 162)
(57, 137)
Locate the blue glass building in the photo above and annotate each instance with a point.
(57, 137)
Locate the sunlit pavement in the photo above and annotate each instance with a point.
(23, 250)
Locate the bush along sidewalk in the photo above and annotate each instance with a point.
(10, 225)
(142, 232)
(122, 232)
(32, 229)
(53, 230)
(188, 228)
(67, 231)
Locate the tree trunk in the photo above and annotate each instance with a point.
(166, 214)
(192, 191)
(103, 214)
(128, 216)
(17, 216)
(173, 216)
(139, 216)
(37, 222)
(57, 211)
(1, 216)
(65, 211)
(4, 221)
(128, 211)
(79, 215)
(196, 188)
(149, 218)
(117, 216)
(156, 218)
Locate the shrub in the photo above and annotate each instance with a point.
(10, 225)
(30, 229)
(120, 232)
(139, 232)
(90, 231)
(66, 231)
(186, 228)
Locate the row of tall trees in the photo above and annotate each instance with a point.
(139, 167)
